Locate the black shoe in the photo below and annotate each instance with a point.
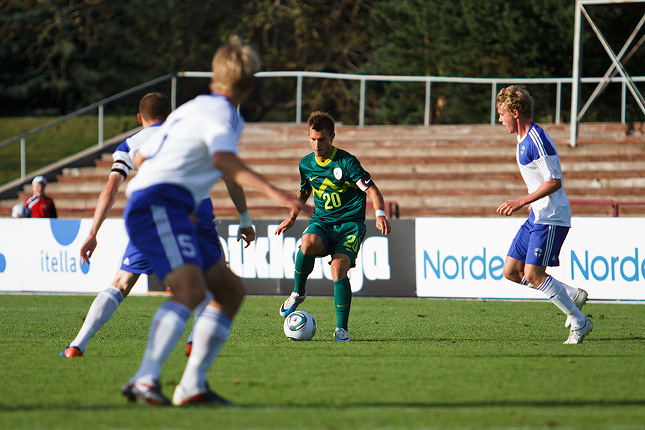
(150, 394)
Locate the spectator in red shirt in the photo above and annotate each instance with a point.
(40, 205)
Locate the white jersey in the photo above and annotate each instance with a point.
(181, 154)
(125, 152)
(539, 162)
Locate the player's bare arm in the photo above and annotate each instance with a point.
(103, 206)
(246, 231)
(382, 224)
(231, 166)
(547, 187)
(291, 219)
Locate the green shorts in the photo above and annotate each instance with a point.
(345, 238)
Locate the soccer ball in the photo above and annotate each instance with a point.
(20, 211)
(299, 325)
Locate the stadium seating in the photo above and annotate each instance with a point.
(441, 170)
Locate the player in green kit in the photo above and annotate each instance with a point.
(337, 228)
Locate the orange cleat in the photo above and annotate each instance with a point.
(71, 351)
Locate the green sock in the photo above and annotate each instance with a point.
(342, 301)
(304, 266)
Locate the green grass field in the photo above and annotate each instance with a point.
(411, 364)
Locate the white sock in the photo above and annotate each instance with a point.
(571, 291)
(558, 295)
(166, 329)
(102, 309)
(212, 330)
(198, 311)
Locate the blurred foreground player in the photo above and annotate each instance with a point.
(539, 240)
(197, 145)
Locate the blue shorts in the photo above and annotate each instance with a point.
(538, 244)
(133, 261)
(158, 221)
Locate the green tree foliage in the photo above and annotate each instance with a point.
(461, 38)
(46, 53)
(60, 55)
(486, 38)
(316, 35)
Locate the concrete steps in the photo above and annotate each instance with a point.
(441, 170)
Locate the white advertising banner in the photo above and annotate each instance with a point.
(43, 255)
(273, 256)
(454, 257)
(464, 258)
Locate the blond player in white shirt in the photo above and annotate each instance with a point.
(538, 242)
(195, 147)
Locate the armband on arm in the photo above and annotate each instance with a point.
(379, 212)
(364, 183)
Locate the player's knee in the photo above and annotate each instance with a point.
(307, 248)
(512, 275)
(194, 297)
(312, 245)
(340, 267)
(533, 278)
(124, 281)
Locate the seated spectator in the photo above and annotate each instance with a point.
(39, 204)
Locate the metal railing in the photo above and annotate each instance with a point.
(615, 206)
(363, 80)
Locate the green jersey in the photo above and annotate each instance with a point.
(338, 186)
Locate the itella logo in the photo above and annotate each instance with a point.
(63, 259)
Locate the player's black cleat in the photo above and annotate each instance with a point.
(151, 394)
(208, 397)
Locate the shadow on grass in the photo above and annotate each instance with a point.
(590, 339)
(348, 406)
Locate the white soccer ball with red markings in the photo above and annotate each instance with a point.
(299, 325)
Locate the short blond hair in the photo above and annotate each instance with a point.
(516, 97)
(233, 66)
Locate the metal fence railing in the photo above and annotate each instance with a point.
(363, 80)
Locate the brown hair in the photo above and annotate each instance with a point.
(320, 121)
(516, 97)
(154, 106)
